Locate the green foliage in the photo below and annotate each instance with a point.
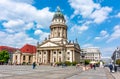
(4, 56)
(87, 62)
(74, 63)
(118, 61)
(68, 63)
(58, 63)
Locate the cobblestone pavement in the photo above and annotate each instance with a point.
(41, 72)
(48, 72)
(116, 75)
(99, 73)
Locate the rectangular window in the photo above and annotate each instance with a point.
(29, 58)
(23, 57)
(60, 59)
(54, 59)
(16, 57)
(68, 58)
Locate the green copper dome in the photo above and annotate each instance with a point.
(58, 14)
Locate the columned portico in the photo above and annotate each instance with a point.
(57, 48)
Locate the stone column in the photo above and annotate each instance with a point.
(57, 56)
(27, 58)
(51, 56)
(42, 56)
(18, 59)
(21, 58)
(73, 55)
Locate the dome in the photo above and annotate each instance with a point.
(58, 14)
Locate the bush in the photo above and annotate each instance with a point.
(24, 63)
(87, 62)
(67, 63)
(74, 63)
(58, 63)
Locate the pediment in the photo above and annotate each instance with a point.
(49, 44)
(17, 52)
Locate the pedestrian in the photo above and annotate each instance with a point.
(91, 66)
(111, 67)
(115, 68)
(94, 66)
(34, 65)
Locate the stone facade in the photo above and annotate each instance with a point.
(116, 54)
(57, 48)
(92, 54)
(25, 55)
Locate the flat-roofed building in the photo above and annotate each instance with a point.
(92, 54)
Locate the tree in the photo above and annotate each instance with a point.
(4, 56)
(87, 62)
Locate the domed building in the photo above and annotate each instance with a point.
(57, 48)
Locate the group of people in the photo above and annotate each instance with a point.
(93, 66)
(112, 68)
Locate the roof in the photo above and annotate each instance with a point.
(27, 48)
(91, 50)
(7, 48)
(58, 14)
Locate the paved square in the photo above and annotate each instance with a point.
(49, 72)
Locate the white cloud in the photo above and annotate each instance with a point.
(37, 32)
(16, 40)
(18, 16)
(79, 29)
(13, 24)
(17, 26)
(97, 38)
(103, 34)
(24, 1)
(101, 14)
(42, 34)
(107, 51)
(89, 9)
(87, 45)
(12, 10)
(116, 34)
(118, 15)
(83, 7)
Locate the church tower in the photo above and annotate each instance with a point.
(57, 48)
(58, 28)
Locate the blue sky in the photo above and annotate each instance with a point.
(95, 23)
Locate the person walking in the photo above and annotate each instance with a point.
(94, 67)
(111, 67)
(91, 66)
(34, 65)
(115, 68)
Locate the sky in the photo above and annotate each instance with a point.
(95, 23)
